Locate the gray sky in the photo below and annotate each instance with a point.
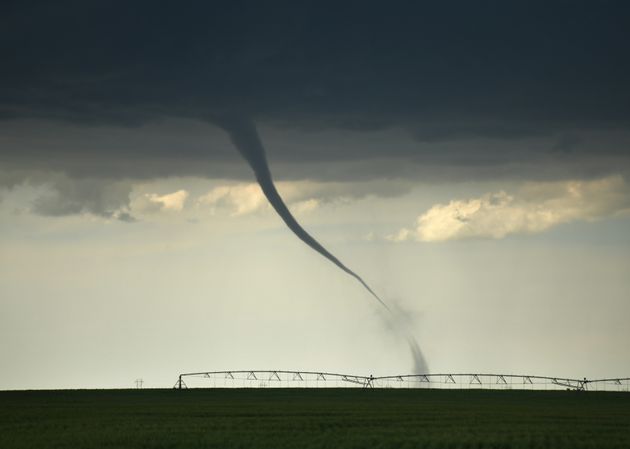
(100, 302)
(471, 164)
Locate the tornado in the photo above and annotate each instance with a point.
(244, 136)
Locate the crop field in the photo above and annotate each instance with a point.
(313, 418)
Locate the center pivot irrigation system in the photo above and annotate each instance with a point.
(315, 379)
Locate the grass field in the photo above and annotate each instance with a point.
(313, 418)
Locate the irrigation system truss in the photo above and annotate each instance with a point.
(316, 379)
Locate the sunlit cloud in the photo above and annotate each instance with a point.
(301, 196)
(152, 202)
(235, 200)
(535, 208)
(242, 199)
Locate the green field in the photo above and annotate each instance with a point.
(313, 418)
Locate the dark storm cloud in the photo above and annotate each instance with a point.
(354, 65)
(72, 196)
(496, 85)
